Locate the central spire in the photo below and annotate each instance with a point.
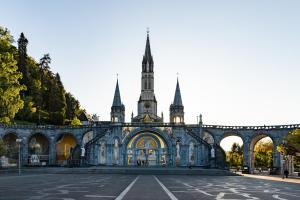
(147, 104)
(147, 58)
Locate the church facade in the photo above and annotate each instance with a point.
(145, 141)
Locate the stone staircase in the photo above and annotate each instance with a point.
(126, 170)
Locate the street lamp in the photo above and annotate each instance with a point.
(19, 143)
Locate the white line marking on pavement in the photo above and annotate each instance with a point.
(99, 196)
(275, 196)
(172, 197)
(121, 196)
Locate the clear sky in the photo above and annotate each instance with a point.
(238, 61)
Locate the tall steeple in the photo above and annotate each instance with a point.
(177, 108)
(177, 98)
(117, 97)
(147, 104)
(147, 58)
(117, 109)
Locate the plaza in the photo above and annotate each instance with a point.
(135, 187)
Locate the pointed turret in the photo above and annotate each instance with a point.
(177, 108)
(117, 109)
(177, 98)
(117, 97)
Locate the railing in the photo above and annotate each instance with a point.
(150, 125)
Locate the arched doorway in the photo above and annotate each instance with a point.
(261, 154)
(64, 145)
(146, 149)
(38, 150)
(233, 146)
(11, 146)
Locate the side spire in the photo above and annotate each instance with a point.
(177, 98)
(117, 97)
(118, 109)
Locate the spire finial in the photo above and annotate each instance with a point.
(117, 76)
(148, 31)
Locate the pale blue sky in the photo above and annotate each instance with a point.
(238, 61)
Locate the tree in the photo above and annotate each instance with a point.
(22, 56)
(292, 145)
(57, 101)
(235, 155)
(10, 100)
(263, 154)
(73, 106)
(2, 148)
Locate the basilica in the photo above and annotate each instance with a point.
(146, 141)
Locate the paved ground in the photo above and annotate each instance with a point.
(132, 187)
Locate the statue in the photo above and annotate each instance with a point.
(178, 153)
(191, 153)
(82, 151)
(102, 153)
(212, 153)
(178, 149)
(116, 151)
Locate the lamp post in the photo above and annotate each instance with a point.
(19, 143)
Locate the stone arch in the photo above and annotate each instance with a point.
(9, 140)
(38, 148)
(133, 133)
(231, 133)
(163, 158)
(236, 159)
(86, 137)
(253, 141)
(208, 137)
(64, 144)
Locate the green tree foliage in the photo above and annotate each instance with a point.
(263, 154)
(57, 101)
(45, 100)
(292, 146)
(235, 155)
(73, 107)
(10, 88)
(75, 122)
(22, 58)
(2, 148)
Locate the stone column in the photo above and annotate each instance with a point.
(246, 154)
(52, 151)
(24, 151)
(276, 157)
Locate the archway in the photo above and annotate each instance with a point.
(261, 154)
(11, 148)
(87, 137)
(146, 149)
(64, 145)
(38, 150)
(233, 146)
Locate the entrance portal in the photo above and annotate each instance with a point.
(146, 149)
